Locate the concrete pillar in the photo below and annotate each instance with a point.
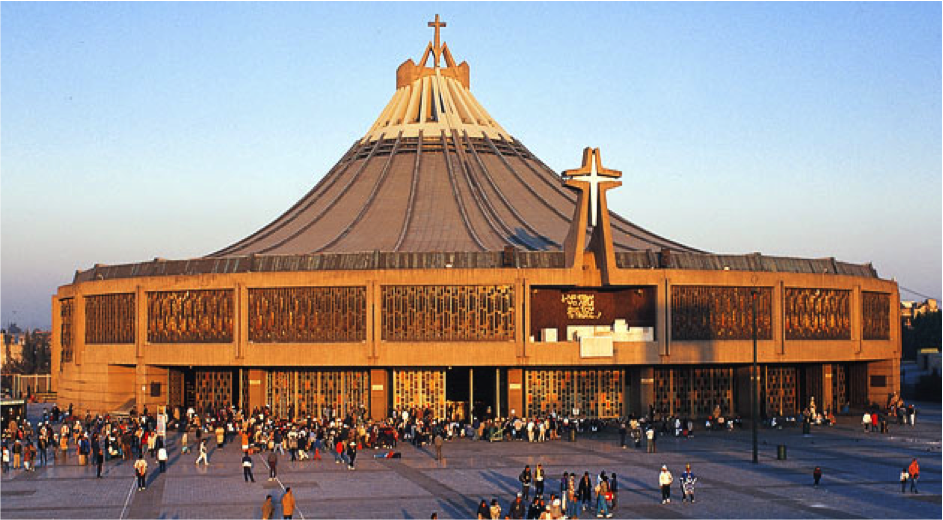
(662, 317)
(379, 393)
(497, 392)
(516, 392)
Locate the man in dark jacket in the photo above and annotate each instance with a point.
(585, 490)
(517, 509)
(525, 479)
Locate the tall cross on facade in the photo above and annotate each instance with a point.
(592, 172)
(437, 50)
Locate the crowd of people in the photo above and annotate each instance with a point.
(100, 439)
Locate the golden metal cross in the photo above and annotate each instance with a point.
(437, 49)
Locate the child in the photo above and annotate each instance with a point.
(817, 475)
(904, 477)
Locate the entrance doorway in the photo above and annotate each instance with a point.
(473, 392)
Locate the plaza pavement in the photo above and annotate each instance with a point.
(860, 478)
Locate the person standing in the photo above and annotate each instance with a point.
(650, 436)
(664, 480)
(688, 480)
(140, 469)
(268, 508)
(184, 439)
(585, 490)
(495, 510)
(816, 476)
(622, 432)
(525, 478)
(162, 458)
(914, 471)
(602, 501)
(614, 490)
(904, 477)
(539, 480)
(202, 455)
(247, 467)
(288, 503)
(517, 509)
(272, 465)
(438, 447)
(572, 499)
(99, 462)
(866, 421)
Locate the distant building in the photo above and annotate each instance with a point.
(13, 342)
(911, 309)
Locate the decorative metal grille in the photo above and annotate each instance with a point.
(876, 315)
(204, 316)
(595, 393)
(818, 314)
(694, 392)
(175, 382)
(419, 389)
(109, 318)
(780, 390)
(448, 312)
(213, 390)
(307, 314)
(839, 387)
(310, 392)
(66, 307)
(724, 313)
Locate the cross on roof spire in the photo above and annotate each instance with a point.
(437, 49)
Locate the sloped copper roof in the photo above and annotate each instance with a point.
(433, 194)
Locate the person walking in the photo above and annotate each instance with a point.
(539, 476)
(162, 458)
(202, 454)
(140, 470)
(268, 508)
(914, 471)
(184, 442)
(622, 433)
(247, 467)
(664, 480)
(688, 480)
(866, 421)
(351, 454)
(525, 478)
(288, 503)
(602, 499)
(438, 447)
(272, 465)
(650, 436)
(816, 476)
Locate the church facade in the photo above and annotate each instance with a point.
(441, 264)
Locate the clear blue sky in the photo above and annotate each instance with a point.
(132, 131)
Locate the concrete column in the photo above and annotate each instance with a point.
(663, 317)
(78, 329)
(522, 317)
(471, 389)
(516, 391)
(643, 380)
(497, 392)
(855, 311)
(140, 321)
(241, 326)
(378, 393)
(55, 342)
(778, 318)
(372, 320)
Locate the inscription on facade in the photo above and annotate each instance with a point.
(581, 306)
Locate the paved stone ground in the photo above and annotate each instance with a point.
(860, 479)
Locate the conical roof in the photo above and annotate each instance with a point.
(434, 173)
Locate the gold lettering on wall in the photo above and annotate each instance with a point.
(307, 314)
(203, 316)
(448, 312)
(581, 306)
(109, 319)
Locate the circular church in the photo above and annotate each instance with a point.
(441, 264)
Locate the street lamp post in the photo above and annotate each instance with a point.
(754, 398)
